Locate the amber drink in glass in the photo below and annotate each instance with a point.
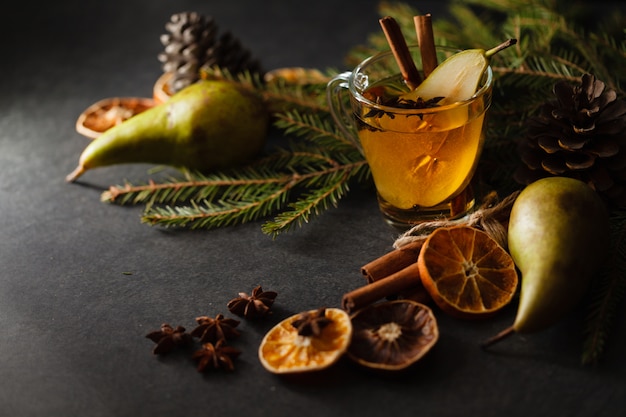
(422, 159)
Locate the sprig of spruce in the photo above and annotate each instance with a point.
(606, 295)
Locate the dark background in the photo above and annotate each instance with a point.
(82, 282)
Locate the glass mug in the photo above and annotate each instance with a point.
(422, 160)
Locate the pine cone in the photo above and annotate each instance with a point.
(229, 54)
(581, 134)
(192, 43)
(189, 36)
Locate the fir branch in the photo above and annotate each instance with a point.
(279, 95)
(193, 186)
(313, 203)
(539, 69)
(222, 213)
(607, 295)
(227, 200)
(283, 96)
(314, 128)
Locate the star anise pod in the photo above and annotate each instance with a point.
(216, 356)
(169, 338)
(257, 304)
(311, 323)
(215, 329)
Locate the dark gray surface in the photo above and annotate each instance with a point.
(73, 321)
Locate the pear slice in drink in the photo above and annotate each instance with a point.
(457, 78)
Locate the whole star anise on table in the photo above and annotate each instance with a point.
(252, 306)
(216, 356)
(215, 329)
(169, 338)
(311, 324)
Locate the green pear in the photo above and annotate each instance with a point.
(558, 237)
(209, 125)
(456, 79)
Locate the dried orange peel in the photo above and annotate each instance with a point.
(108, 112)
(466, 272)
(285, 349)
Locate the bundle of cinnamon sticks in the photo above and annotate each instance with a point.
(393, 274)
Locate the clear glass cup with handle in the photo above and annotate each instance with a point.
(422, 159)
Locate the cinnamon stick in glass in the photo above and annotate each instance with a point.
(400, 51)
(426, 42)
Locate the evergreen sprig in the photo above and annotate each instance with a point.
(606, 295)
(318, 179)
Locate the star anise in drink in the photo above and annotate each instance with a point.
(169, 338)
(252, 306)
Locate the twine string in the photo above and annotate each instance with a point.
(491, 217)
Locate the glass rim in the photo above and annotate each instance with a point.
(399, 110)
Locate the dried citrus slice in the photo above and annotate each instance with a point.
(466, 272)
(309, 341)
(392, 335)
(109, 112)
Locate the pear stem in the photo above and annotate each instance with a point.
(80, 170)
(497, 338)
(503, 45)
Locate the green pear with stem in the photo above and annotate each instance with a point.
(558, 236)
(457, 78)
(210, 125)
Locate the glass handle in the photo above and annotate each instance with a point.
(340, 109)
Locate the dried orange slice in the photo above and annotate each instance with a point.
(466, 272)
(392, 335)
(109, 112)
(304, 342)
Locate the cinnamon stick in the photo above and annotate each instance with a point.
(401, 52)
(426, 42)
(392, 262)
(396, 283)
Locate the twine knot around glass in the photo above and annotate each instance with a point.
(422, 160)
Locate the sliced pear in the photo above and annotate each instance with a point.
(457, 78)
